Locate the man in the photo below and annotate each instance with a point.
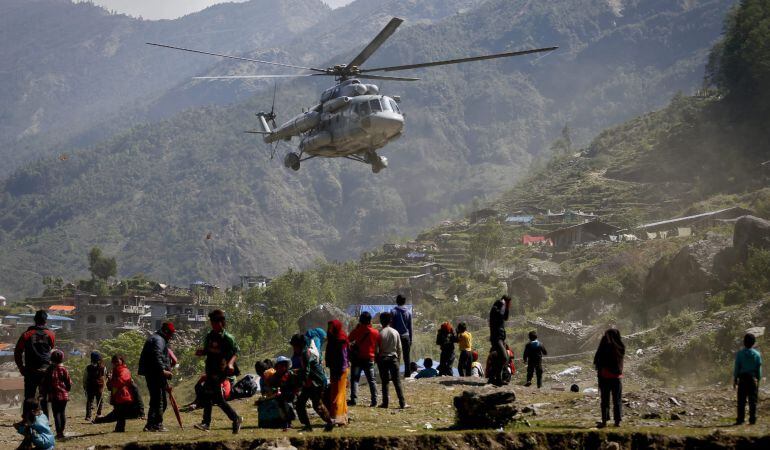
(33, 356)
(363, 343)
(497, 317)
(155, 366)
(533, 358)
(389, 357)
(221, 352)
(312, 379)
(402, 323)
(747, 373)
(93, 384)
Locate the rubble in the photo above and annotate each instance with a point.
(493, 410)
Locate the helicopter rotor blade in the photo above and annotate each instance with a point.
(458, 61)
(375, 44)
(240, 58)
(384, 77)
(256, 77)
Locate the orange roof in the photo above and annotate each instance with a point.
(61, 308)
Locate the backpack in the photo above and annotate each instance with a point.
(37, 349)
(245, 387)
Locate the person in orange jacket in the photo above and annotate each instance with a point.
(121, 396)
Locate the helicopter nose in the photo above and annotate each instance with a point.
(389, 124)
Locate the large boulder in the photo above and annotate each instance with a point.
(749, 232)
(320, 316)
(528, 288)
(485, 410)
(690, 271)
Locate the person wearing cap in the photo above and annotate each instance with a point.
(33, 356)
(221, 353)
(155, 366)
(93, 384)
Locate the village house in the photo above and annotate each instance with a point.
(185, 311)
(100, 317)
(254, 281)
(683, 226)
(582, 233)
(483, 214)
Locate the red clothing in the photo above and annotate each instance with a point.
(57, 383)
(365, 337)
(606, 373)
(119, 386)
(33, 349)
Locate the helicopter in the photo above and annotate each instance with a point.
(352, 119)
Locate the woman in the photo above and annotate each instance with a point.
(121, 395)
(338, 363)
(609, 366)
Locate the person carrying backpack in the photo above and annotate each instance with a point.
(93, 384)
(533, 357)
(33, 356)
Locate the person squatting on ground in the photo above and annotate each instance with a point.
(56, 388)
(401, 321)
(497, 317)
(477, 370)
(277, 386)
(312, 379)
(338, 362)
(533, 357)
(428, 371)
(155, 366)
(122, 396)
(388, 359)
(465, 345)
(34, 427)
(93, 384)
(363, 343)
(32, 355)
(221, 353)
(445, 339)
(608, 361)
(746, 376)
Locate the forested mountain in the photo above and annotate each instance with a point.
(152, 194)
(65, 67)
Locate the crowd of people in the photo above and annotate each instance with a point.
(286, 384)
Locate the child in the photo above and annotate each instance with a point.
(264, 370)
(35, 427)
(747, 373)
(121, 395)
(93, 384)
(428, 371)
(477, 370)
(533, 357)
(464, 343)
(56, 386)
(445, 339)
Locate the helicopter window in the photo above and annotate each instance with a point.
(385, 104)
(363, 109)
(375, 104)
(394, 105)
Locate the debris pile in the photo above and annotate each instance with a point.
(485, 410)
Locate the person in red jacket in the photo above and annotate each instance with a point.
(33, 356)
(363, 341)
(56, 388)
(120, 391)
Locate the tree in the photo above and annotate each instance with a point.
(485, 245)
(101, 267)
(739, 63)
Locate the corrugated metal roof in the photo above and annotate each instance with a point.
(687, 218)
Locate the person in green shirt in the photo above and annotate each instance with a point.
(746, 376)
(221, 353)
(312, 378)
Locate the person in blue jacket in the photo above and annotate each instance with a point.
(746, 376)
(35, 427)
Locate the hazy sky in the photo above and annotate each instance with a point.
(171, 9)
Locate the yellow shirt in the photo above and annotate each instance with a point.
(465, 341)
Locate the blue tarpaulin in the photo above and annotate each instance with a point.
(356, 310)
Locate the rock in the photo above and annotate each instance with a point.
(690, 271)
(674, 401)
(279, 444)
(320, 317)
(493, 410)
(527, 288)
(474, 322)
(651, 415)
(548, 272)
(756, 331)
(750, 231)
(609, 445)
(675, 416)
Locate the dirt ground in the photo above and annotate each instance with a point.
(676, 412)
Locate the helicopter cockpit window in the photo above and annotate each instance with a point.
(363, 109)
(385, 105)
(394, 105)
(375, 104)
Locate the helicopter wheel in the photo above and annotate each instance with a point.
(291, 161)
(380, 163)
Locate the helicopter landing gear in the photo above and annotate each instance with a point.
(291, 161)
(376, 161)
